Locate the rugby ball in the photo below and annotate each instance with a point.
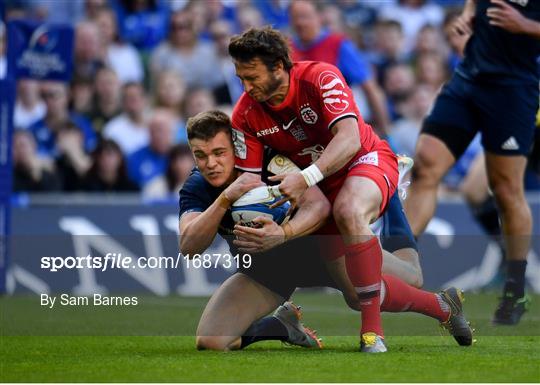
(257, 202)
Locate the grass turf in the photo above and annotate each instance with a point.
(418, 353)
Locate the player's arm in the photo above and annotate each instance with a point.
(505, 16)
(463, 24)
(198, 229)
(342, 148)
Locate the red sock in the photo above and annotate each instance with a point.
(364, 264)
(401, 297)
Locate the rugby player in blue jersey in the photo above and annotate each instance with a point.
(235, 315)
(494, 91)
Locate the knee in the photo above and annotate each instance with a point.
(426, 169)
(418, 280)
(349, 217)
(211, 343)
(508, 194)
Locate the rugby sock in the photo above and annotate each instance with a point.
(364, 264)
(401, 297)
(267, 328)
(515, 281)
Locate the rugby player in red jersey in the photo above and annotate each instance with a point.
(306, 111)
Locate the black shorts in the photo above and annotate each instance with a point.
(299, 263)
(504, 115)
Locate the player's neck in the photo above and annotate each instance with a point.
(281, 93)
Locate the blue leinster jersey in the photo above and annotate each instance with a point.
(497, 56)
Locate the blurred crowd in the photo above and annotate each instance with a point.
(143, 67)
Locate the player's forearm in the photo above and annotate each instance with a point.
(312, 212)
(342, 148)
(199, 233)
(532, 28)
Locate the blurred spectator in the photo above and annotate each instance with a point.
(274, 12)
(107, 99)
(30, 173)
(82, 95)
(151, 161)
(143, 23)
(72, 162)
(87, 53)
(231, 89)
(29, 108)
(313, 43)
(56, 97)
(209, 11)
(357, 13)
(179, 165)
(58, 11)
(405, 131)
(332, 18)
(430, 40)
(129, 129)
(412, 15)
(93, 7)
(431, 70)
(3, 58)
(249, 17)
(398, 83)
(388, 46)
(195, 60)
(198, 100)
(169, 94)
(108, 171)
(121, 57)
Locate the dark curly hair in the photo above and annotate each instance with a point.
(265, 43)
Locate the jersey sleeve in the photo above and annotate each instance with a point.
(248, 151)
(335, 98)
(191, 199)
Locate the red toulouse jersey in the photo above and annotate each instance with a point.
(299, 127)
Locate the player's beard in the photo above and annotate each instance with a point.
(272, 86)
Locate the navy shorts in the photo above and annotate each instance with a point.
(504, 115)
(299, 263)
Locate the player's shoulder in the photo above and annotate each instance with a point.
(242, 109)
(194, 184)
(314, 71)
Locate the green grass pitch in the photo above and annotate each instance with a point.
(154, 342)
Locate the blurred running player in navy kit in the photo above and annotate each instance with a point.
(286, 260)
(494, 91)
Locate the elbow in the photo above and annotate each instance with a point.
(186, 249)
(354, 147)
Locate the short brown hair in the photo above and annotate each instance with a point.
(265, 43)
(205, 125)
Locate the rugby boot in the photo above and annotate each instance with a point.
(372, 343)
(511, 309)
(456, 324)
(290, 315)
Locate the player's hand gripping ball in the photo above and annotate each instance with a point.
(256, 203)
